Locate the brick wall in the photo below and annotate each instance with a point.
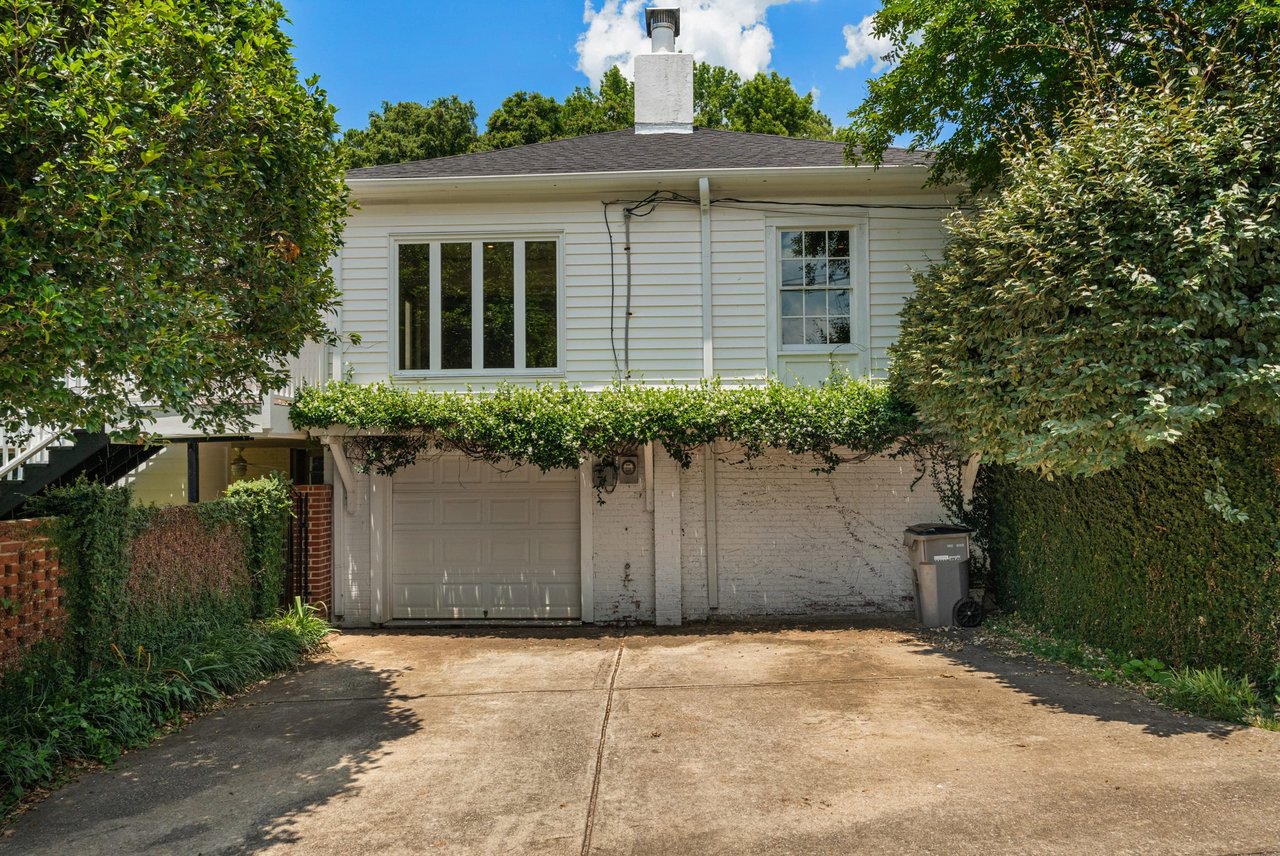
(319, 558)
(623, 555)
(31, 607)
(792, 542)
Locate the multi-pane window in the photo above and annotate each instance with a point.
(477, 305)
(814, 287)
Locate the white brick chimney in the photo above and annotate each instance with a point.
(664, 79)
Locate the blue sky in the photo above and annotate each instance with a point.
(368, 51)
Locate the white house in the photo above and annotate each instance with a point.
(660, 254)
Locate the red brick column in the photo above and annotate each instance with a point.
(319, 543)
(31, 607)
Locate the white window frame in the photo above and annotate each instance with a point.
(476, 238)
(859, 289)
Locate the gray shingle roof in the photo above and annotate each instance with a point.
(627, 151)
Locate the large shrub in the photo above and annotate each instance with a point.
(1174, 555)
(170, 196)
(1122, 288)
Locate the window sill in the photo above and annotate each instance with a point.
(818, 350)
(487, 375)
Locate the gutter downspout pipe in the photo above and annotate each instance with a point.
(708, 371)
(626, 320)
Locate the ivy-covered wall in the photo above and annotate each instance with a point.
(136, 579)
(1174, 555)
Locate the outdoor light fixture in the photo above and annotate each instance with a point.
(239, 466)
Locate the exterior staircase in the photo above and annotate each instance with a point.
(45, 459)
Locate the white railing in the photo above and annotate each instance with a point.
(28, 446)
(309, 368)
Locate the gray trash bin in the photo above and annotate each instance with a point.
(940, 567)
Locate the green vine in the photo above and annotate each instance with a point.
(263, 507)
(842, 420)
(92, 526)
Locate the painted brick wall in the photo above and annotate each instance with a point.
(351, 573)
(31, 609)
(693, 539)
(792, 542)
(668, 574)
(623, 555)
(319, 557)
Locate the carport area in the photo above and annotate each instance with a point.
(768, 739)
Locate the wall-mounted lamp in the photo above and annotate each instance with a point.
(239, 466)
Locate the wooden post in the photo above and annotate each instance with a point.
(193, 471)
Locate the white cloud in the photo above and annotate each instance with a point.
(861, 45)
(732, 33)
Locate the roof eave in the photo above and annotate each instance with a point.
(372, 186)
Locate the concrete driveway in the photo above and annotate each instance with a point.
(746, 740)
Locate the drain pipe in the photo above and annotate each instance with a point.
(704, 206)
(626, 320)
(708, 371)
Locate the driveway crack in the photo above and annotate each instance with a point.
(604, 733)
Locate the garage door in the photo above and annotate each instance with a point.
(472, 541)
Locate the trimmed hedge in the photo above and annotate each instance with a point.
(1174, 555)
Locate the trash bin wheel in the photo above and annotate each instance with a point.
(968, 613)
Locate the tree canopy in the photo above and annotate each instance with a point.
(764, 104)
(612, 108)
(523, 118)
(170, 195)
(969, 72)
(409, 131)
(768, 104)
(1122, 286)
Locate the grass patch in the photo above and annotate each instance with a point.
(1212, 693)
(52, 717)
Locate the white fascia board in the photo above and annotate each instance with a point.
(894, 176)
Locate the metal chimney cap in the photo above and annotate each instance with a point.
(661, 16)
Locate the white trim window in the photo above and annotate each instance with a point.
(483, 305)
(815, 288)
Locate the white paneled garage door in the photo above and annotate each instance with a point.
(472, 541)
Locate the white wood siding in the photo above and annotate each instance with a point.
(666, 324)
(900, 242)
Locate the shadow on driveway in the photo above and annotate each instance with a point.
(236, 780)
(1058, 688)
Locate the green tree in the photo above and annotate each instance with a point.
(409, 131)
(968, 72)
(1124, 284)
(170, 195)
(523, 118)
(768, 104)
(610, 109)
(715, 88)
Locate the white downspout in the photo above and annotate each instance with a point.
(708, 371)
(704, 205)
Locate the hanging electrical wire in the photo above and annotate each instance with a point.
(634, 208)
(646, 206)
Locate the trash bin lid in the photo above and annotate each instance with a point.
(938, 529)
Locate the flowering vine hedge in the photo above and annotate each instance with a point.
(559, 426)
